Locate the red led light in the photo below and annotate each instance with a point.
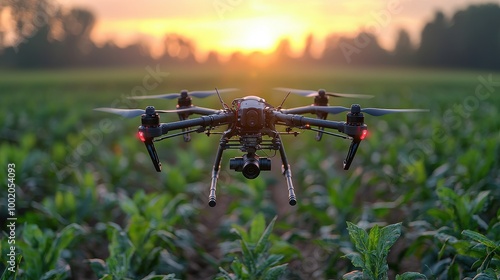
(363, 134)
(141, 136)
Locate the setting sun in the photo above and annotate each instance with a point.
(229, 26)
(257, 34)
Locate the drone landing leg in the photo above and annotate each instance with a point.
(292, 200)
(215, 173)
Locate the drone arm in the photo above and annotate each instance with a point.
(298, 120)
(210, 120)
(357, 131)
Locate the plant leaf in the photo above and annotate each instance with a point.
(120, 254)
(257, 228)
(478, 237)
(237, 268)
(248, 257)
(359, 237)
(267, 263)
(480, 201)
(62, 241)
(389, 235)
(99, 267)
(353, 275)
(356, 260)
(261, 245)
(411, 276)
(275, 272)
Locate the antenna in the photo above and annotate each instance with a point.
(224, 105)
(283, 102)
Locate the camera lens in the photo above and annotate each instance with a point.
(250, 165)
(251, 168)
(252, 118)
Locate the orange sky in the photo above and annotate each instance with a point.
(249, 25)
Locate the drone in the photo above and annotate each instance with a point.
(251, 126)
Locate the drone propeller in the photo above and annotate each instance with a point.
(197, 93)
(370, 111)
(131, 113)
(127, 113)
(313, 93)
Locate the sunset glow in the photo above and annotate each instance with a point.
(227, 26)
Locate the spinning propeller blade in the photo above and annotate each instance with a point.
(370, 111)
(193, 110)
(159, 96)
(131, 113)
(197, 93)
(313, 93)
(206, 93)
(127, 113)
(348, 95)
(303, 92)
(380, 112)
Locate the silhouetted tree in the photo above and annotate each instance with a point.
(48, 36)
(470, 39)
(475, 37)
(178, 49)
(360, 50)
(36, 51)
(112, 55)
(282, 53)
(76, 43)
(403, 49)
(236, 60)
(433, 49)
(330, 53)
(306, 54)
(212, 59)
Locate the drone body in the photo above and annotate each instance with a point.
(251, 126)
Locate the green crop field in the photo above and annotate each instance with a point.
(421, 199)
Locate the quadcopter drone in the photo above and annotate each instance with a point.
(252, 126)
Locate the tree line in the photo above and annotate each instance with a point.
(48, 36)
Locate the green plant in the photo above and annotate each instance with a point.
(373, 249)
(151, 227)
(67, 172)
(41, 251)
(461, 210)
(255, 262)
(119, 264)
(458, 213)
(487, 253)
